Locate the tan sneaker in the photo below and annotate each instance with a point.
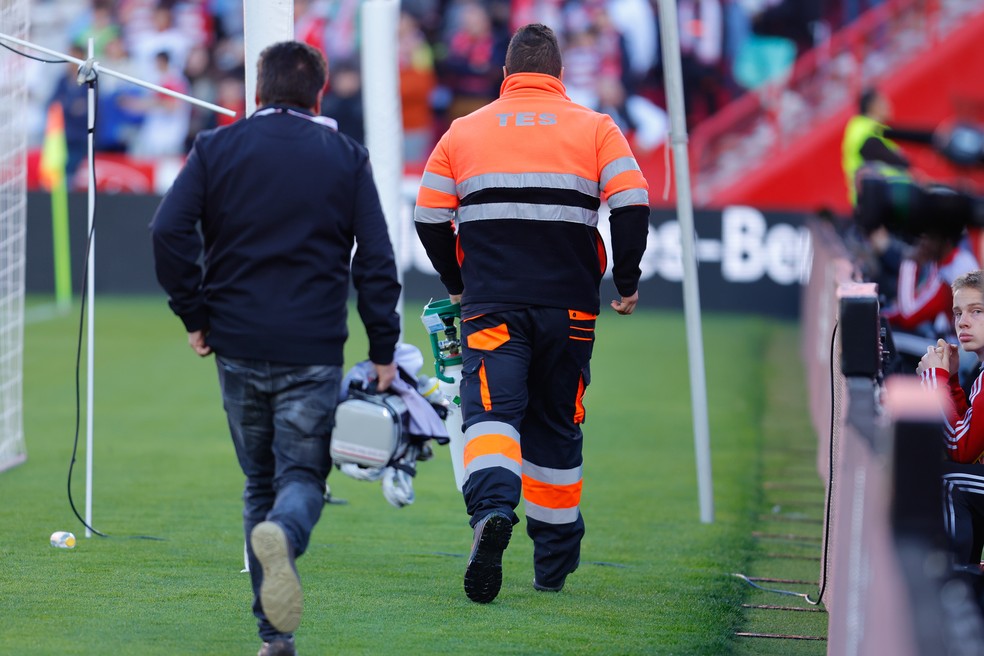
(280, 592)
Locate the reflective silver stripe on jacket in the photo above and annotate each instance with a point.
(628, 197)
(620, 165)
(432, 214)
(529, 211)
(437, 182)
(526, 180)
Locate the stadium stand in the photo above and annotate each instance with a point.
(737, 64)
(779, 148)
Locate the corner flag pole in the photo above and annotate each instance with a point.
(89, 71)
(670, 41)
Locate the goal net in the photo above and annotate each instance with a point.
(14, 19)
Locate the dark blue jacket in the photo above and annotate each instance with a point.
(275, 203)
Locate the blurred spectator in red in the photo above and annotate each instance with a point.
(310, 23)
(524, 12)
(472, 66)
(231, 94)
(417, 83)
(343, 101)
(166, 118)
(701, 48)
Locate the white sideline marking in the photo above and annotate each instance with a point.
(46, 312)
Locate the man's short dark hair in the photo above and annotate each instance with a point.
(291, 73)
(867, 99)
(534, 49)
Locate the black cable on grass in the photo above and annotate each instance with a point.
(830, 475)
(804, 595)
(830, 488)
(78, 387)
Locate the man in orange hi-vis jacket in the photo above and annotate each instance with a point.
(523, 178)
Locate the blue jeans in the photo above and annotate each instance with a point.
(280, 417)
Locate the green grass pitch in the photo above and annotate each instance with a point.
(377, 580)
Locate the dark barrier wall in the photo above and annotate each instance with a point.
(748, 261)
(124, 261)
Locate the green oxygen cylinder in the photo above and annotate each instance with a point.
(442, 319)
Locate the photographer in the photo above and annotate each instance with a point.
(868, 153)
(868, 140)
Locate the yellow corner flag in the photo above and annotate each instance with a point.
(51, 171)
(54, 151)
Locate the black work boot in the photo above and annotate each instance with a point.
(483, 574)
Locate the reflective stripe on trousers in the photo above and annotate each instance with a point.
(522, 409)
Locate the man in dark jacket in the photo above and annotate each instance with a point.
(280, 200)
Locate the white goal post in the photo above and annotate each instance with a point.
(14, 19)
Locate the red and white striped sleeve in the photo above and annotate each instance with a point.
(963, 418)
(922, 295)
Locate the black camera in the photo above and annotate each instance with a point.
(889, 197)
(909, 209)
(961, 143)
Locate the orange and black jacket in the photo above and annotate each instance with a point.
(522, 180)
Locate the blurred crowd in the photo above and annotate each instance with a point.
(450, 56)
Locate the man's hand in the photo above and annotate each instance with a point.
(455, 298)
(196, 340)
(385, 373)
(627, 304)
